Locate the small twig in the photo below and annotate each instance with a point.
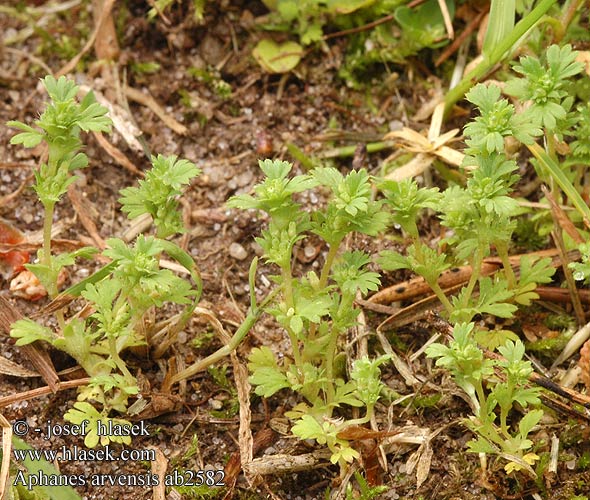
(444, 10)
(42, 391)
(474, 23)
(358, 29)
(104, 15)
(85, 219)
(149, 102)
(117, 155)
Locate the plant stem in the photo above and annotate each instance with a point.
(288, 296)
(287, 286)
(568, 15)
(441, 296)
(362, 420)
(325, 274)
(475, 266)
(503, 418)
(346, 151)
(481, 397)
(117, 359)
(502, 248)
(330, 351)
(52, 290)
(47, 225)
(241, 332)
(562, 180)
(334, 246)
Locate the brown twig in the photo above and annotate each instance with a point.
(117, 155)
(149, 102)
(38, 357)
(82, 212)
(358, 29)
(453, 47)
(41, 391)
(104, 15)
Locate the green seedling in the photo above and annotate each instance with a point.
(482, 218)
(59, 127)
(315, 311)
(469, 367)
(123, 291)
(160, 6)
(496, 49)
(135, 283)
(366, 492)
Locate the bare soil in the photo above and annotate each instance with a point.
(195, 426)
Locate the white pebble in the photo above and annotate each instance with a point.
(237, 251)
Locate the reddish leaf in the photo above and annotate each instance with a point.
(11, 262)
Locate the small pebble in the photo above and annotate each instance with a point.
(257, 249)
(309, 251)
(215, 404)
(237, 251)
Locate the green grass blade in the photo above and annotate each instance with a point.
(44, 468)
(555, 171)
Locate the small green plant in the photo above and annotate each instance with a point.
(59, 127)
(315, 311)
(481, 217)
(420, 26)
(122, 292)
(160, 6)
(366, 492)
(469, 367)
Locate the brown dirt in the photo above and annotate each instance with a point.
(226, 137)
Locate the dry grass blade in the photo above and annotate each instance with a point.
(106, 45)
(283, 464)
(39, 358)
(411, 169)
(159, 467)
(41, 391)
(6, 447)
(400, 365)
(561, 219)
(149, 102)
(81, 210)
(427, 148)
(444, 10)
(104, 15)
(122, 121)
(243, 389)
(573, 346)
(13, 369)
(117, 155)
(567, 272)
